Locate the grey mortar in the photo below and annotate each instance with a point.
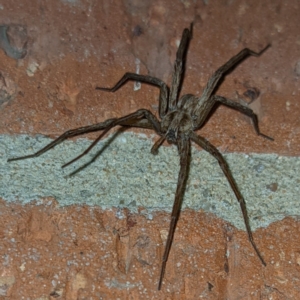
(126, 174)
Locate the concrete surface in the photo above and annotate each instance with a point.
(126, 174)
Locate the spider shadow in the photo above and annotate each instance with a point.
(105, 146)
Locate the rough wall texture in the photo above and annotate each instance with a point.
(80, 252)
(54, 54)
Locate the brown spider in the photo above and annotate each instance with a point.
(179, 119)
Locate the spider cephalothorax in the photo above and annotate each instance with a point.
(175, 123)
(179, 119)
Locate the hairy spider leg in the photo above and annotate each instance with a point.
(141, 113)
(164, 90)
(179, 67)
(66, 135)
(207, 146)
(243, 109)
(129, 119)
(143, 123)
(205, 99)
(89, 148)
(183, 145)
(158, 143)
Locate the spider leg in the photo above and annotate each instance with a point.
(183, 145)
(178, 67)
(158, 143)
(207, 146)
(164, 90)
(243, 109)
(217, 75)
(143, 123)
(66, 135)
(122, 121)
(106, 125)
(89, 148)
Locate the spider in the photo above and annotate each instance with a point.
(180, 118)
